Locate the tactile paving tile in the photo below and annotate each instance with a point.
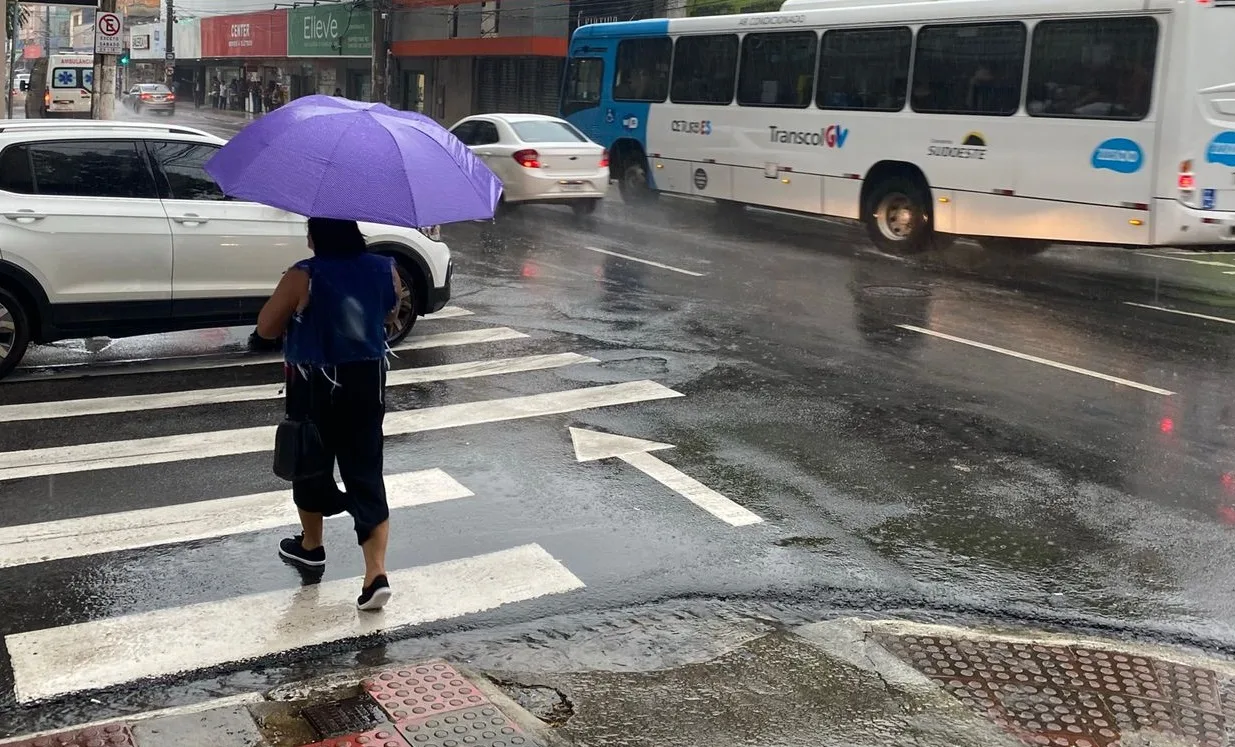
(383, 736)
(423, 690)
(483, 726)
(111, 735)
(1073, 697)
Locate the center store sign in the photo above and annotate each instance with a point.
(329, 31)
(250, 35)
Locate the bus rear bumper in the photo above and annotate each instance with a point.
(1177, 224)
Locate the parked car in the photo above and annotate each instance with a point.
(154, 97)
(539, 159)
(114, 228)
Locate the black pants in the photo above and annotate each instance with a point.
(347, 402)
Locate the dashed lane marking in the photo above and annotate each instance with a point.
(1222, 319)
(1042, 361)
(644, 261)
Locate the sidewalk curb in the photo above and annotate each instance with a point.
(926, 704)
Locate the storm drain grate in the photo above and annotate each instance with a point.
(112, 735)
(384, 736)
(349, 716)
(484, 726)
(1068, 696)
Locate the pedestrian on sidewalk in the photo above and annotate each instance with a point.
(332, 311)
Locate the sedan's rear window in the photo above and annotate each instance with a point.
(155, 88)
(547, 131)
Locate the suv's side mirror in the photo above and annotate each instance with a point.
(25, 85)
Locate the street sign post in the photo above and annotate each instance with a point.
(108, 34)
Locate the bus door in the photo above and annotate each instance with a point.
(1208, 132)
(1087, 146)
(582, 91)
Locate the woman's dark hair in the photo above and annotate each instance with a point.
(336, 238)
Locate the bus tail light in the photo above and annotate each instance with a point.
(1187, 181)
(604, 159)
(528, 159)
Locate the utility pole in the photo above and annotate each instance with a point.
(378, 51)
(11, 17)
(103, 102)
(169, 46)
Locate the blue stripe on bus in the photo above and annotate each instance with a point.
(648, 27)
(612, 121)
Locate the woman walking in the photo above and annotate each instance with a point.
(333, 309)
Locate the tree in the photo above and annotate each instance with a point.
(723, 7)
(18, 14)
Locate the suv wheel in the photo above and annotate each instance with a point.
(14, 332)
(405, 318)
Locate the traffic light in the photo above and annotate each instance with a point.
(124, 57)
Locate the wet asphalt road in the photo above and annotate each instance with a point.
(894, 469)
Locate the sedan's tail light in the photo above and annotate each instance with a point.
(434, 233)
(528, 159)
(604, 159)
(171, 97)
(146, 97)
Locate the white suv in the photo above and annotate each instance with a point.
(115, 229)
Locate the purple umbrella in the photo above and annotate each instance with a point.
(326, 157)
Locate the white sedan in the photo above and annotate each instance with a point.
(539, 159)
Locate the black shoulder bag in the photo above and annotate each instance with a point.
(299, 453)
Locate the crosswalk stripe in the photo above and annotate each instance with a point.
(446, 312)
(58, 460)
(398, 377)
(210, 361)
(112, 651)
(185, 522)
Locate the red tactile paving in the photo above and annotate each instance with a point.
(1059, 696)
(386, 736)
(111, 735)
(423, 690)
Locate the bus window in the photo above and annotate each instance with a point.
(865, 69)
(584, 79)
(642, 72)
(1095, 68)
(969, 69)
(778, 69)
(705, 69)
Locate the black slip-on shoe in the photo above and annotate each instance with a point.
(292, 549)
(375, 595)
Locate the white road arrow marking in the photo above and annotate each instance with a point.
(593, 445)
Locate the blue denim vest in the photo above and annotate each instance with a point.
(345, 319)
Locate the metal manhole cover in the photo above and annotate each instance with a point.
(896, 291)
(344, 716)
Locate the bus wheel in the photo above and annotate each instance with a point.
(634, 182)
(1012, 247)
(898, 218)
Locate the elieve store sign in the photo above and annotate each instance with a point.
(329, 31)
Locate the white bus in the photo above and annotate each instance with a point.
(1018, 122)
